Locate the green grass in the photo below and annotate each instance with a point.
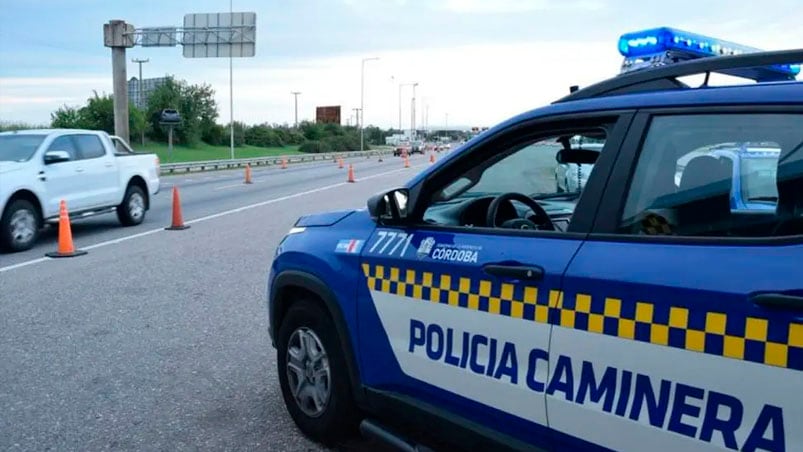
(205, 151)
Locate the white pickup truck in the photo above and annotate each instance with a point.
(90, 170)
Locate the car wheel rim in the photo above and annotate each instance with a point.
(308, 373)
(136, 206)
(23, 226)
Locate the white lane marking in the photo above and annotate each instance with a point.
(121, 239)
(224, 187)
(208, 217)
(285, 198)
(24, 264)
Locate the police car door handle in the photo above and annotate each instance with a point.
(515, 271)
(777, 300)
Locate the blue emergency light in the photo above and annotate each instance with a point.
(665, 45)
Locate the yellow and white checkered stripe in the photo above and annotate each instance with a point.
(771, 342)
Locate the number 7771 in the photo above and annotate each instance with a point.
(391, 242)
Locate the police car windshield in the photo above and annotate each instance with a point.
(530, 170)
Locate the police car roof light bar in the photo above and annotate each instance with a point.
(749, 65)
(665, 45)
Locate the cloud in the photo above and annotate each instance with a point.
(517, 6)
(513, 77)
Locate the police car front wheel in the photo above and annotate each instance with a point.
(313, 375)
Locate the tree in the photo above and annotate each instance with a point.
(196, 105)
(375, 135)
(311, 131)
(263, 135)
(97, 114)
(66, 117)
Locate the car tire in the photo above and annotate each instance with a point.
(19, 226)
(131, 211)
(321, 405)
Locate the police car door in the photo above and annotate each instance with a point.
(682, 318)
(456, 313)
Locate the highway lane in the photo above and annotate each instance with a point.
(206, 193)
(160, 342)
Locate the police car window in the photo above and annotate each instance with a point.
(713, 175)
(530, 168)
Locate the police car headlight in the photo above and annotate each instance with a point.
(296, 230)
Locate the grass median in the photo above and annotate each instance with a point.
(205, 151)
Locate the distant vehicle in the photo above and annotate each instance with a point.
(571, 177)
(91, 171)
(753, 171)
(400, 149)
(170, 116)
(417, 147)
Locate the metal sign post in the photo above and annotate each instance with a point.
(170, 118)
(170, 143)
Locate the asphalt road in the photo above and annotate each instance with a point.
(157, 340)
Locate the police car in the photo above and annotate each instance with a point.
(478, 308)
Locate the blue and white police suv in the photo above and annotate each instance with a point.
(478, 308)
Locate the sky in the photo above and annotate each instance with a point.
(476, 62)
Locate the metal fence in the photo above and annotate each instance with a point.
(210, 165)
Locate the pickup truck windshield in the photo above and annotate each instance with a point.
(19, 148)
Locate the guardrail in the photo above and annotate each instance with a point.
(208, 165)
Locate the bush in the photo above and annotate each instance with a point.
(215, 134)
(264, 136)
(312, 147)
(341, 143)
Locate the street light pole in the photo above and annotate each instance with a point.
(402, 85)
(400, 114)
(231, 90)
(295, 95)
(362, 100)
(412, 114)
(139, 91)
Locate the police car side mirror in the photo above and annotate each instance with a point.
(389, 207)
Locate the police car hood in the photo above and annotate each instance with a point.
(324, 218)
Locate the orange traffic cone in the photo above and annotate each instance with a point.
(351, 174)
(66, 248)
(284, 163)
(178, 221)
(248, 174)
(406, 162)
(431, 158)
(340, 162)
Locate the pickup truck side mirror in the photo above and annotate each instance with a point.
(55, 156)
(389, 207)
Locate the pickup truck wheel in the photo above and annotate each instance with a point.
(19, 227)
(131, 211)
(313, 375)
